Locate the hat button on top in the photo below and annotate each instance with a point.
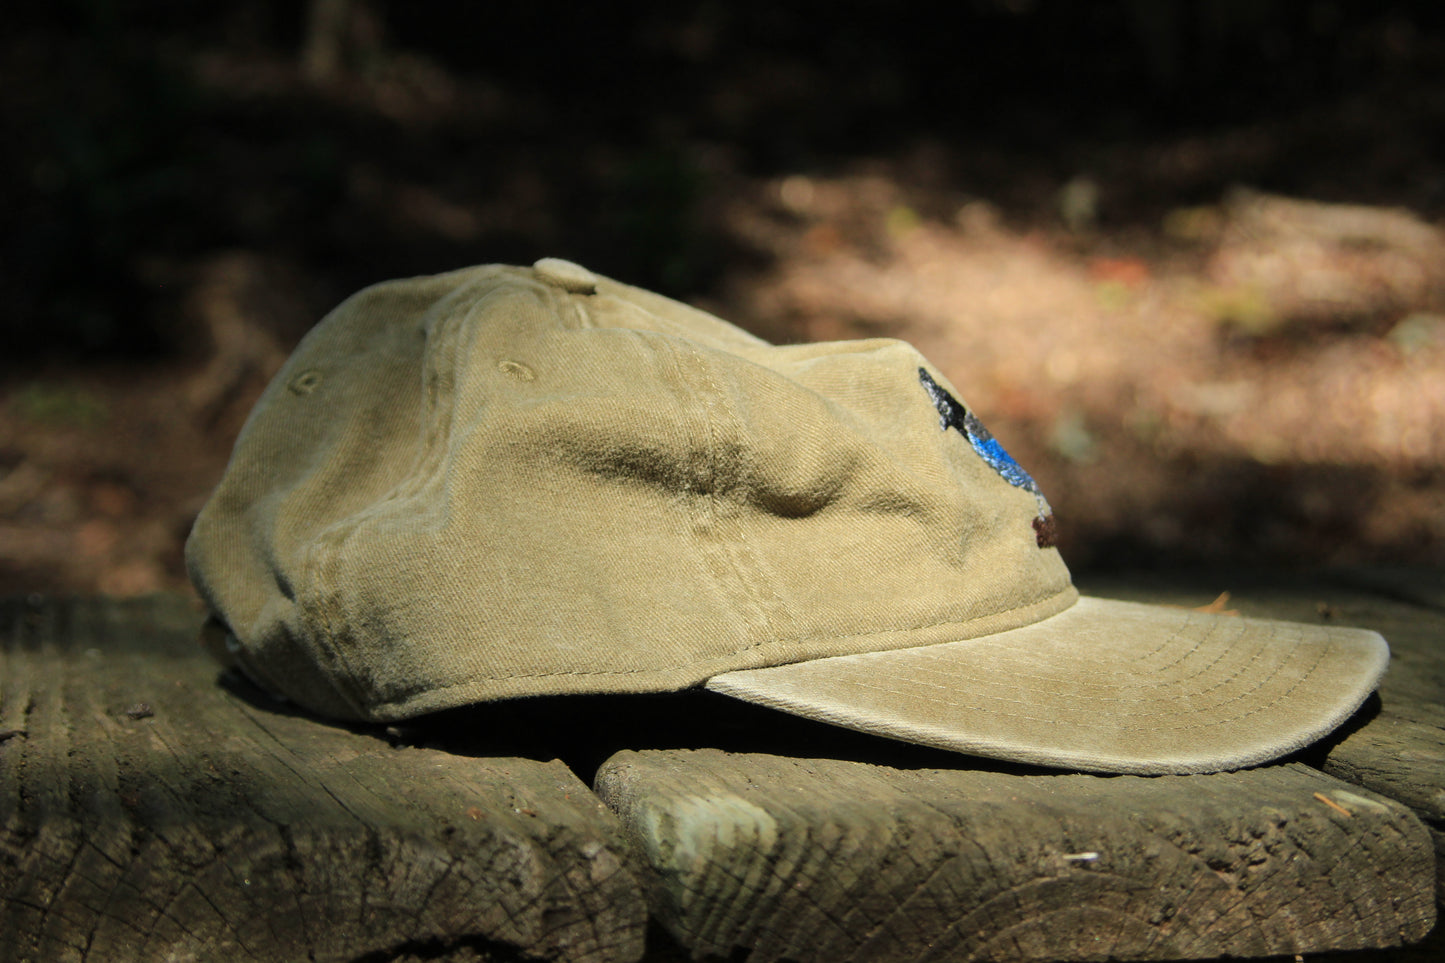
(570, 277)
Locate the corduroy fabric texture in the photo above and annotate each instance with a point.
(506, 482)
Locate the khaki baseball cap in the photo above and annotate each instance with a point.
(505, 482)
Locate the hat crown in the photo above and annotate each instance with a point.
(504, 481)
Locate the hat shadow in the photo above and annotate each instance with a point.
(585, 730)
(1317, 753)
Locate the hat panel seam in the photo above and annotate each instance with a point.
(567, 306)
(319, 601)
(703, 510)
(324, 556)
(694, 326)
(762, 599)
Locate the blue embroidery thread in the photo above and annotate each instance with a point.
(952, 414)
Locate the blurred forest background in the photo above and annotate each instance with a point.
(1184, 257)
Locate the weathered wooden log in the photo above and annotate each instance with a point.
(149, 813)
(1401, 753)
(815, 859)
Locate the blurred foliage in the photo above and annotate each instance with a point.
(59, 405)
(157, 131)
(1416, 331)
(1244, 310)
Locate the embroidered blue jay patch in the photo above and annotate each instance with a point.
(952, 414)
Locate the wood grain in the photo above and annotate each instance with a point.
(1401, 752)
(814, 860)
(149, 813)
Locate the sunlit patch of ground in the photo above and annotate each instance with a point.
(1269, 379)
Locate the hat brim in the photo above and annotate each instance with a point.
(1104, 686)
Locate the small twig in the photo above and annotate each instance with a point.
(1218, 607)
(1333, 805)
(8, 734)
